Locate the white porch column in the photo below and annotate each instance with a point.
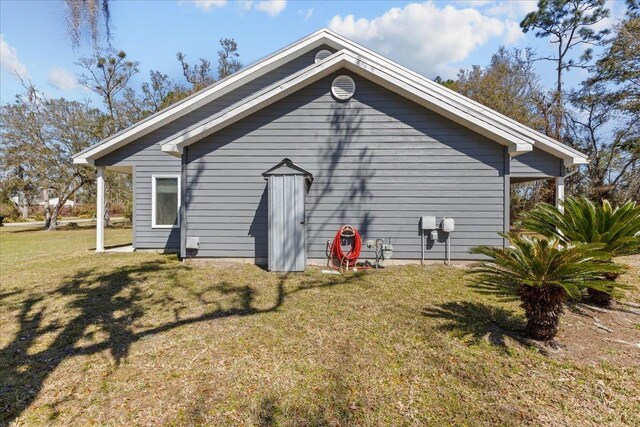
(560, 193)
(100, 210)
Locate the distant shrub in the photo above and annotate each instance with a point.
(85, 210)
(128, 212)
(73, 225)
(10, 212)
(66, 211)
(117, 209)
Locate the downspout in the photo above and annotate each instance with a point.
(507, 195)
(560, 182)
(183, 204)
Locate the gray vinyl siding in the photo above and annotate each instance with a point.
(379, 163)
(536, 164)
(145, 153)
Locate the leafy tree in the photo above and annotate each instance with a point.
(602, 128)
(228, 62)
(200, 75)
(448, 83)
(620, 65)
(87, 14)
(617, 230)
(160, 92)
(567, 24)
(509, 85)
(107, 73)
(543, 275)
(39, 136)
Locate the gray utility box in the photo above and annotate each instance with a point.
(447, 225)
(193, 243)
(428, 223)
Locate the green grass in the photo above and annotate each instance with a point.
(127, 339)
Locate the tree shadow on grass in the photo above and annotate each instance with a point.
(333, 410)
(480, 322)
(331, 404)
(498, 292)
(108, 304)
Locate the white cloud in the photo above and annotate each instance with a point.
(309, 14)
(61, 79)
(306, 14)
(207, 5)
(271, 7)
(246, 4)
(512, 9)
(476, 3)
(426, 37)
(9, 61)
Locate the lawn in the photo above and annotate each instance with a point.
(142, 338)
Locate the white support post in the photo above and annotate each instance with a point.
(560, 193)
(100, 210)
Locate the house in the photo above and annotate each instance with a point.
(367, 142)
(41, 202)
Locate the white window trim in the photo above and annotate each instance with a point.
(153, 200)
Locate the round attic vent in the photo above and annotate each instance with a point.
(343, 87)
(322, 55)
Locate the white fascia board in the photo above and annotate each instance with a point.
(82, 161)
(359, 65)
(570, 155)
(176, 143)
(325, 36)
(406, 87)
(205, 96)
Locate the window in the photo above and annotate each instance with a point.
(165, 203)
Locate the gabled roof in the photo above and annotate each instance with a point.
(542, 141)
(287, 167)
(358, 64)
(204, 96)
(517, 137)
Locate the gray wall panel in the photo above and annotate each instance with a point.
(536, 164)
(146, 156)
(379, 163)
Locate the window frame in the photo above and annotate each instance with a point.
(153, 200)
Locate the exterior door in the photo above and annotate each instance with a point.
(287, 229)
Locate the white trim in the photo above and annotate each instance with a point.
(560, 193)
(204, 96)
(344, 59)
(455, 103)
(546, 143)
(100, 208)
(153, 200)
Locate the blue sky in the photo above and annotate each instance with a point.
(433, 38)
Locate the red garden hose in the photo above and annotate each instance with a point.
(344, 233)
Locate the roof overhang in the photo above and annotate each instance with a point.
(205, 96)
(571, 156)
(368, 68)
(518, 137)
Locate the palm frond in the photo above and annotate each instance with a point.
(584, 221)
(539, 262)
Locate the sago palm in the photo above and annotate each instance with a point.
(544, 276)
(616, 228)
